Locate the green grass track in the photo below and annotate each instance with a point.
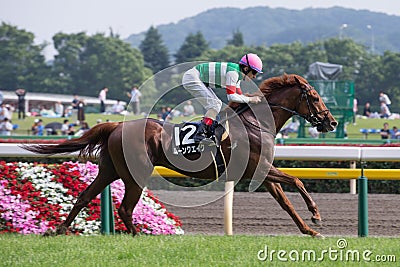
(197, 250)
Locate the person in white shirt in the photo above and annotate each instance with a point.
(102, 98)
(64, 127)
(188, 109)
(385, 111)
(4, 112)
(384, 98)
(117, 108)
(135, 95)
(59, 109)
(6, 127)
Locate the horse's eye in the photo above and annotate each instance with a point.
(316, 99)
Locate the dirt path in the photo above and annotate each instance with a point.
(260, 214)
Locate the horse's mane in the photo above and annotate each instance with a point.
(276, 83)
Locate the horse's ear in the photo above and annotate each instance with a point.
(297, 81)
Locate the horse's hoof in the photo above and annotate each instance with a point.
(316, 221)
(49, 232)
(61, 230)
(319, 236)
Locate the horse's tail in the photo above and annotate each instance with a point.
(88, 144)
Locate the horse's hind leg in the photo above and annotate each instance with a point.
(106, 176)
(277, 192)
(277, 176)
(132, 195)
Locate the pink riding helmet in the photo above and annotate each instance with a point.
(252, 61)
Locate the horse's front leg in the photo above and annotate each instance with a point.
(277, 176)
(277, 192)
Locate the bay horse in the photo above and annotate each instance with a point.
(129, 150)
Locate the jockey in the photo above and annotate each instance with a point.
(201, 79)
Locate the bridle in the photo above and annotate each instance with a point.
(311, 116)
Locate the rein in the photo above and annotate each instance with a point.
(310, 117)
(244, 107)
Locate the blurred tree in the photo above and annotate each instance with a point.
(86, 64)
(155, 53)
(347, 53)
(67, 62)
(369, 80)
(22, 63)
(193, 46)
(391, 81)
(229, 53)
(237, 39)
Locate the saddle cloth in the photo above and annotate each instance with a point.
(183, 143)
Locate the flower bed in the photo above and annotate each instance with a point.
(35, 197)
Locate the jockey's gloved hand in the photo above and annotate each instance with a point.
(255, 99)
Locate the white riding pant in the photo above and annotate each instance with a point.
(205, 95)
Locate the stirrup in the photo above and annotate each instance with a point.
(207, 142)
(198, 137)
(205, 145)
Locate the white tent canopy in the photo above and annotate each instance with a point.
(324, 71)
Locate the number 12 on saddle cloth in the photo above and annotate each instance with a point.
(183, 142)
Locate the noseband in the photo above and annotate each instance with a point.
(310, 117)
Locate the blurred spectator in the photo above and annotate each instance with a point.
(44, 112)
(384, 98)
(385, 112)
(355, 110)
(68, 111)
(395, 134)
(74, 104)
(117, 108)
(175, 113)
(188, 109)
(1, 97)
(135, 95)
(59, 109)
(367, 110)
(385, 132)
(84, 128)
(313, 132)
(71, 130)
(75, 101)
(292, 127)
(37, 127)
(4, 112)
(6, 127)
(102, 98)
(64, 127)
(166, 114)
(40, 127)
(21, 103)
(10, 109)
(81, 110)
(34, 128)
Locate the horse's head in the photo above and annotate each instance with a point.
(292, 95)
